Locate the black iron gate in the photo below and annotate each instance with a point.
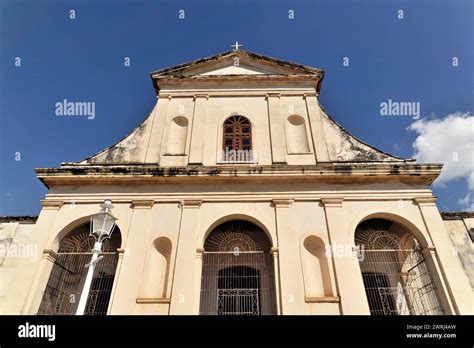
(238, 283)
(66, 281)
(62, 293)
(397, 282)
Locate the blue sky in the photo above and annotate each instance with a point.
(407, 59)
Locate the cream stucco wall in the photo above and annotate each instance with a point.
(15, 249)
(287, 213)
(459, 227)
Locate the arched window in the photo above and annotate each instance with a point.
(396, 276)
(296, 135)
(156, 272)
(238, 271)
(62, 293)
(177, 136)
(237, 139)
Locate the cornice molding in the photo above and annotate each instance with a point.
(332, 202)
(51, 205)
(283, 203)
(142, 204)
(306, 95)
(273, 95)
(425, 201)
(199, 95)
(327, 172)
(190, 203)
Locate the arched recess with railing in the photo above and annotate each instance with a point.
(238, 276)
(66, 280)
(397, 276)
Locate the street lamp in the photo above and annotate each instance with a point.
(102, 226)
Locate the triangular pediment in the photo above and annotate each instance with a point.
(237, 63)
(233, 69)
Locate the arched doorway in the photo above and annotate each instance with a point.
(63, 290)
(396, 277)
(238, 272)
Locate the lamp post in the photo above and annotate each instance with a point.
(102, 226)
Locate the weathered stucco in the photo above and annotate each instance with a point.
(216, 75)
(460, 227)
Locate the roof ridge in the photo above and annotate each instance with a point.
(183, 66)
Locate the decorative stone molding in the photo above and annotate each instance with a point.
(305, 95)
(425, 201)
(276, 95)
(25, 219)
(50, 255)
(332, 202)
(201, 96)
(274, 251)
(142, 204)
(200, 252)
(457, 215)
(165, 95)
(321, 172)
(51, 205)
(283, 203)
(328, 299)
(142, 300)
(190, 204)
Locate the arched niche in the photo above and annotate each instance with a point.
(316, 273)
(177, 136)
(156, 271)
(296, 135)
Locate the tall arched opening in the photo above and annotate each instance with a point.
(396, 276)
(66, 281)
(238, 275)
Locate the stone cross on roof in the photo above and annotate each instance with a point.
(236, 46)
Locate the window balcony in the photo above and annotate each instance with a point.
(229, 156)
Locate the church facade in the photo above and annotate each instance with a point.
(240, 195)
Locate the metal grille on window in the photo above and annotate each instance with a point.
(396, 276)
(238, 272)
(62, 293)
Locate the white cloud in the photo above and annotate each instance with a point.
(470, 181)
(448, 140)
(467, 202)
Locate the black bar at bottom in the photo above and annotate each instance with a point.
(212, 330)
